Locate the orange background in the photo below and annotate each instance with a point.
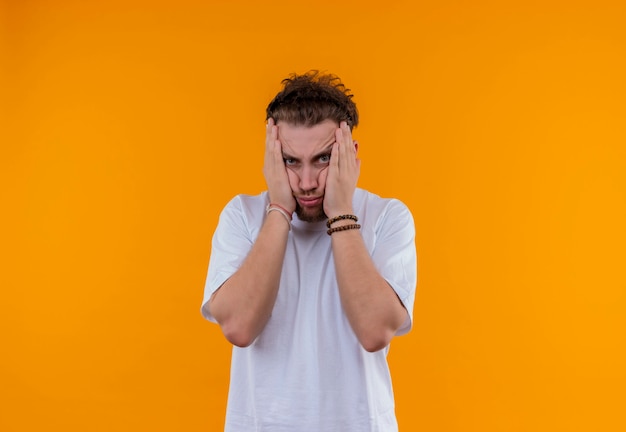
(127, 125)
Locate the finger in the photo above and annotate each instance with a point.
(278, 153)
(340, 138)
(268, 133)
(271, 129)
(334, 158)
(347, 137)
(345, 156)
(273, 144)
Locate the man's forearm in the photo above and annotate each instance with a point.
(371, 305)
(244, 303)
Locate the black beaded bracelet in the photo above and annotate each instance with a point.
(343, 228)
(331, 221)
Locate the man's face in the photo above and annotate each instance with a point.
(306, 151)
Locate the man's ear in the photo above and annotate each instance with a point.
(356, 146)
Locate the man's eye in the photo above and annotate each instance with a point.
(325, 158)
(289, 161)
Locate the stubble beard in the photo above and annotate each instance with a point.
(310, 214)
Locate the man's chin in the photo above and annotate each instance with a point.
(315, 214)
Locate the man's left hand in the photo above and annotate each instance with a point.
(343, 173)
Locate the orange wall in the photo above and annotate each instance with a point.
(127, 125)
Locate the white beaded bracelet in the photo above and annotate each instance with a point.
(271, 208)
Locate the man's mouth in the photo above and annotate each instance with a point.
(310, 201)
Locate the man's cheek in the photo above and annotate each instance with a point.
(294, 180)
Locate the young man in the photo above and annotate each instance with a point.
(311, 279)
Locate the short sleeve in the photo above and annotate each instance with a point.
(395, 255)
(231, 243)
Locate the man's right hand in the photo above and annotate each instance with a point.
(274, 170)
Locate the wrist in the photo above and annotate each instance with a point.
(343, 227)
(272, 207)
(287, 205)
(284, 210)
(336, 214)
(341, 220)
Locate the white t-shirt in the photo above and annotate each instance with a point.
(307, 372)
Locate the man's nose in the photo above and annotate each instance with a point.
(308, 178)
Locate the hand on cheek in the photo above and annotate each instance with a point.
(343, 173)
(276, 175)
(293, 179)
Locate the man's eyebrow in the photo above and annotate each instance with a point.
(288, 156)
(324, 152)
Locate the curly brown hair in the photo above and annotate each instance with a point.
(311, 98)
